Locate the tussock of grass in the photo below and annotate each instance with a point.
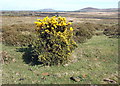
(18, 34)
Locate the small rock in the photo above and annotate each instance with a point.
(66, 65)
(112, 81)
(84, 75)
(21, 79)
(95, 59)
(109, 80)
(37, 74)
(45, 74)
(43, 78)
(66, 73)
(76, 79)
(29, 69)
(14, 60)
(105, 79)
(17, 73)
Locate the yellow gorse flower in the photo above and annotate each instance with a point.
(52, 28)
(54, 31)
(53, 24)
(71, 29)
(69, 23)
(36, 22)
(39, 19)
(69, 53)
(47, 31)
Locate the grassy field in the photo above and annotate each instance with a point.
(94, 62)
(6, 20)
(97, 60)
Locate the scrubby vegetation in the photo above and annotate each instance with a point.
(54, 44)
(18, 34)
(84, 31)
(95, 60)
(23, 34)
(112, 31)
(97, 64)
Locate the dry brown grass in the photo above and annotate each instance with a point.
(24, 25)
(6, 20)
(95, 13)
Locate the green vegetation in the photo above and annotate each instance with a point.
(96, 59)
(54, 43)
(23, 34)
(18, 34)
(112, 31)
(83, 31)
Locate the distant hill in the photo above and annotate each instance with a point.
(91, 9)
(110, 10)
(87, 9)
(47, 10)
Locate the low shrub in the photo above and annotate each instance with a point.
(112, 31)
(18, 35)
(23, 34)
(54, 44)
(99, 27)
(83, 31)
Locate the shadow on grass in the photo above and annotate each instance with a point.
(29, 56)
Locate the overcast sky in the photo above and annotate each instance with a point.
(67, 5)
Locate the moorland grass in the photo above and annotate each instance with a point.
(96, 59)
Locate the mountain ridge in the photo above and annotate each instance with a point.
(91, 9)
(87, 9)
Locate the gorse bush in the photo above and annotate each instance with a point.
(83, 31)
(18, 34)
(112, 31)
(16, 39)
(55, 43)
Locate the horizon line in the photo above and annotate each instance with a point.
(53, 9)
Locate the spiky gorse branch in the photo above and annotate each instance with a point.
(55, 43)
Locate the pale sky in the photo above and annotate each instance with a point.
(66, 5)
